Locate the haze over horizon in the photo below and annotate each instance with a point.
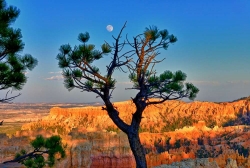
(212, 47)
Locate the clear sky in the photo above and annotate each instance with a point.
(213, 46)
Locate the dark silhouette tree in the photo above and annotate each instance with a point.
(52, 147)
(12, 65)
(79, 72)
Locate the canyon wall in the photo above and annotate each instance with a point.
(111, 150)
(170, 132)
(155, 117)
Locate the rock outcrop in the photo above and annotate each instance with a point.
(170, 132)
(199, 163)
(191, 163)
(157, 118)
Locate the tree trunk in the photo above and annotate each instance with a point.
(132, 130)
(137, 149)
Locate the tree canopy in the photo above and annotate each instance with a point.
(140, 59)
(80, 72)
(13, 66)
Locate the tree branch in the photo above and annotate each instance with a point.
(114, 63)
(8, 99)
(114, 115)
(31, 154)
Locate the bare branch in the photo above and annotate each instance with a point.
(8, 99)
(31, 154)
(114, 62)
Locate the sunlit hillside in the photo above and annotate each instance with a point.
(170, 132)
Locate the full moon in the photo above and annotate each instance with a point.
(109, 28)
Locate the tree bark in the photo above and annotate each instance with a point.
(132, 130)
(133, 135)
(137, 149)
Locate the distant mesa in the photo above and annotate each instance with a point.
(242, 98)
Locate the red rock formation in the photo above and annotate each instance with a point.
(91, 142)
(154, 119)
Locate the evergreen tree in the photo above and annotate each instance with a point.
(52, 147)
(80, 72)
(12, 65)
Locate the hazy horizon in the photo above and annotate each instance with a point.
(212, 47)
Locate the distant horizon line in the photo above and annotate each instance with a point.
(98, 102)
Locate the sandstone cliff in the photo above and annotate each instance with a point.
(157, 118)
(170, 132)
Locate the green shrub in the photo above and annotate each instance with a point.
(52, 147)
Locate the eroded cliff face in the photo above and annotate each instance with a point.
(104, 149)
(83, 149)
(156, 117)
(170, 132)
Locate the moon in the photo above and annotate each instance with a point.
(109, 28)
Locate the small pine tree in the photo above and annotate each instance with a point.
(52, 147)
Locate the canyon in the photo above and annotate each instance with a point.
(173, 133)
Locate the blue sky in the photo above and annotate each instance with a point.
(213, 46)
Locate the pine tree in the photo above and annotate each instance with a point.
(51, 147)
(12, 65)
(79, 72)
